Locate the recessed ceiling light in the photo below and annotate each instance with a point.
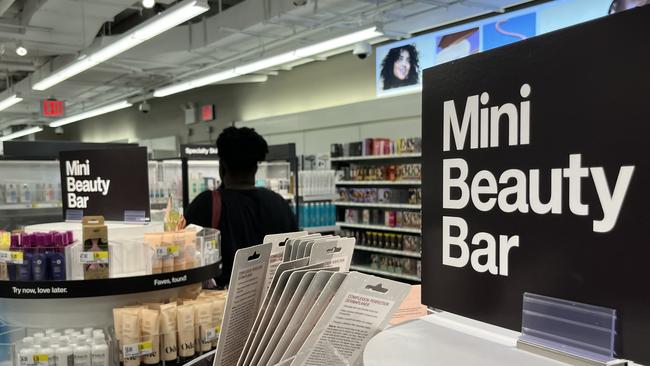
(148, 3)
(21, 51)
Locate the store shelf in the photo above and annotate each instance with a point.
(401, 253)
(403, 206)
(22, 206)
(377, 272)
(106, 287)
(321, 229)
(377, 157)
(379, 183)
(380, 227)
(318, 197)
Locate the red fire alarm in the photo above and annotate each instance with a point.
(207, 113)
(52, 108)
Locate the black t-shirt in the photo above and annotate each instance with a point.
(247, 215)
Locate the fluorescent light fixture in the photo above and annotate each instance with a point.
(170, 18)
(21, 133)
(273, 61)
(91, 113)
(6, 103)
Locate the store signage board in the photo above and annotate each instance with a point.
(553, 198)
(105, 182)
(52, 108)
(207, 113)
(208, 152)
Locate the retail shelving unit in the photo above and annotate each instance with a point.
(391, 257)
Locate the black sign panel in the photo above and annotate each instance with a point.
(206, 152)
(535, 176)
(105, 182)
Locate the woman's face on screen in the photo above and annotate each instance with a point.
(402, 66)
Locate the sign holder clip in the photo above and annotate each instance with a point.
(569, 332)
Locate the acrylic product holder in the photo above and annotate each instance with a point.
(573, 332)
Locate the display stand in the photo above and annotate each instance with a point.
(448, 339)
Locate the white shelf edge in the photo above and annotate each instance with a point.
(379, 183)
(367, 269)
(379, 205)
(377, 157)
(380, 227)
(320, 229)
(401, 253)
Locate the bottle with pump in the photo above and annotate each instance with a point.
(99, 351)
(26, 354)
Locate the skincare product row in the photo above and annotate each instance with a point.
(399, 265)
(37, 256)
(175, 331)
(69, 347)
(392, 172)
(377, 146)
(317, 214)
(29, 192)
(411, 196)
(316, 182)
(390, 218)
(393, 241)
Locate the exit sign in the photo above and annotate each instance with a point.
(207, 112)
(52, 108)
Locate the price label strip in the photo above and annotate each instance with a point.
(138, 349)
(11, 257)
(40, 360)
(169, 251)
(94, 257)
(212, 333)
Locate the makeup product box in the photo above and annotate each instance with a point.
(95, 248)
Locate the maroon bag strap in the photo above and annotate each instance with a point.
(216, 209)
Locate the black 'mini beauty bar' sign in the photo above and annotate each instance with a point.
(536, 177)
(105, 182)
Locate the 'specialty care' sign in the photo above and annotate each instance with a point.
(536, 172)
(105, 182)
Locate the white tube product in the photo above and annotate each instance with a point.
(48, 351)
(81, 352)
(99, 351)
(26, 353)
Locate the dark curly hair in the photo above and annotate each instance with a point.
(240, 149)
(390, 81)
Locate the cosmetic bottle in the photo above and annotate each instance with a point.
(26, 354)
(12, 268)
(39, 258)
(56, 259)
(99, 351)
(24, 270)
(64, 356)
(81, 352)
(47, 350)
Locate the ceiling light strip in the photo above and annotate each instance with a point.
(170, 18)
(273, 61)
(21, 133)
(12, 100)
(91, 113)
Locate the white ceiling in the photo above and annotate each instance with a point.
(54, 31)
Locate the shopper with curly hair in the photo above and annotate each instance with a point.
(401, 67)
(242, 212)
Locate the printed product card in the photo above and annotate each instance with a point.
(286, 266)
(277, 252)
(361, 308)
(95, 257)
(308, 323)
(336, 252)
(301, 304)
(244, 295)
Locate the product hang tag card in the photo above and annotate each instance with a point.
(244, 298)
(265, 314)
(278, 242)
(362, 307)
(308, 323)
(285, 310)
(336, 252)
(257, 317)
(302, 304)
